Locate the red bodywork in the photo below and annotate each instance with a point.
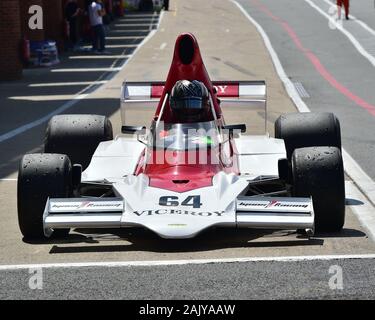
(176, 174)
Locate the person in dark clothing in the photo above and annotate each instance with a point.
(166, 5)
(72, 11)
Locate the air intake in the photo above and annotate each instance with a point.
(186, 49)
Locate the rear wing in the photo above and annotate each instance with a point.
(139, 100)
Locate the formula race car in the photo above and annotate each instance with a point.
(189, 170)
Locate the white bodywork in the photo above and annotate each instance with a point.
(221, 204)
(258, 156)
(137, 204)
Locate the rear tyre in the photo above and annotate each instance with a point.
(318, 172)
(300, 130)
(41, 176)
(77, 136)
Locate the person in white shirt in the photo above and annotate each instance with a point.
(96, 13)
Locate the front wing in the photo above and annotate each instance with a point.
(179, 222)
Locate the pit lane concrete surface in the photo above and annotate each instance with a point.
(232, 49)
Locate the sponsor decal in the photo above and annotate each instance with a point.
(222, 90)
(274, 204)
(86, 205)
(179, 212)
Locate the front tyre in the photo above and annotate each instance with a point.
(41, 176)
(77, 135)
(318, 172)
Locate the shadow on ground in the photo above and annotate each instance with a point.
(137, 239)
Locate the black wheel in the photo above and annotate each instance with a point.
(318, 172)
(300, 130)
(41, 176)
(77, 136)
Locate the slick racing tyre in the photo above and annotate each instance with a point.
(300, 130)
(318, 172)
(77, 136)
(41, 176)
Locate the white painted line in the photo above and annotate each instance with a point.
(163, 46)
(130, 31)
(139, 15)
(120, 56)
(135, 19)
(135, 24)
(9, 179)
(341, 28)
(352, 168)
(49, 97)
(116, 46)
(113, 46)
(63, 84)
(69, 104)
(185, 262)
(87, 70)
(125, 38)
(365, 211)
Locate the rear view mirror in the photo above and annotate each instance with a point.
(232, 131)
(138, 130)
(132, 129)
(235, 127)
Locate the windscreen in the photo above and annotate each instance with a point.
(184, 136)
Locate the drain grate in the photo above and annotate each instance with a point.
(301, 90)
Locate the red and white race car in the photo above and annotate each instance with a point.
(190, 170)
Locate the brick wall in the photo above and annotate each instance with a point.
(34, 35)
(54, 21)
(10, 40)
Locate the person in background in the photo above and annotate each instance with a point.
(72, 12)
(88, 4)
(96, 14)
(166, 5)
(344, 3)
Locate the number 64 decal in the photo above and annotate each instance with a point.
(190, 201)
